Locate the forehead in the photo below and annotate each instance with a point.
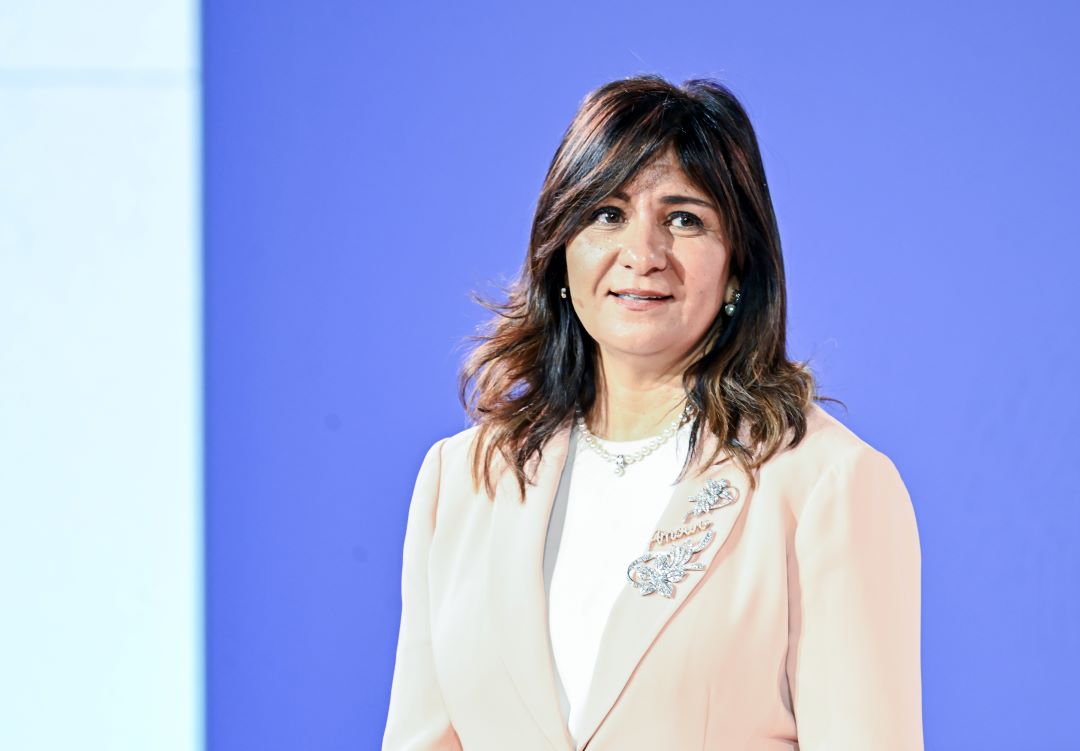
(664, 170)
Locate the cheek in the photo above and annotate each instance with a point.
(584, 263)
(703, 309)
(705, 292)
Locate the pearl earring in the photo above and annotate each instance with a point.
(730, 307)
(562, 293)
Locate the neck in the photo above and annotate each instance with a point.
(633, 401)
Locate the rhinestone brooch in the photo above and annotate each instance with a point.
(716, 494)
(669, 566)
(658, 570)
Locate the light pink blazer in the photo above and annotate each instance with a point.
(802, 632)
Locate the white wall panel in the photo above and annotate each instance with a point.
(100, 456)
(73, 37)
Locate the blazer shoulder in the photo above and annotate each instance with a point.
(456, 447)
(827, 445)
(450, 455)
(828, 440)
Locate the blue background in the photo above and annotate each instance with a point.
(367, 165)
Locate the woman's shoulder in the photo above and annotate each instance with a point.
(455, 447)
(454, 455)
(827, 445)
(828, 436)
(841, 489)
(450, 455)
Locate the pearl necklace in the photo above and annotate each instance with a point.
(621, 460)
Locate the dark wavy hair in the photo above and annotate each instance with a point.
(535, 364)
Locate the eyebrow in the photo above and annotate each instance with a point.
(671, 200)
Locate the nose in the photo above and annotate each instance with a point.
(644, 247)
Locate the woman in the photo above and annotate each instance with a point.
(654, 537)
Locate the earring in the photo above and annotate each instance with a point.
(562, 293)
(730, 307)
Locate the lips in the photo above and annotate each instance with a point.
(639, 294)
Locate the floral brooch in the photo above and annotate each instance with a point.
(659, 570)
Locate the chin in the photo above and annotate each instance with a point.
(642, 347)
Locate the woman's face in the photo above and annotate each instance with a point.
(658, 237)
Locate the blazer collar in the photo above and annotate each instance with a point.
(519, 602)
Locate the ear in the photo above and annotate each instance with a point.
(732, 288)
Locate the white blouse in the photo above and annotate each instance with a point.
(599, 523)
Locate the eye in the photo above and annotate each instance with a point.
(606, 211)
(691, 221)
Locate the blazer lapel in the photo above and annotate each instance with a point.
(516, 586)
(636, 619)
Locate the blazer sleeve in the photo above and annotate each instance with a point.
(853, 664)
(417, 719)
